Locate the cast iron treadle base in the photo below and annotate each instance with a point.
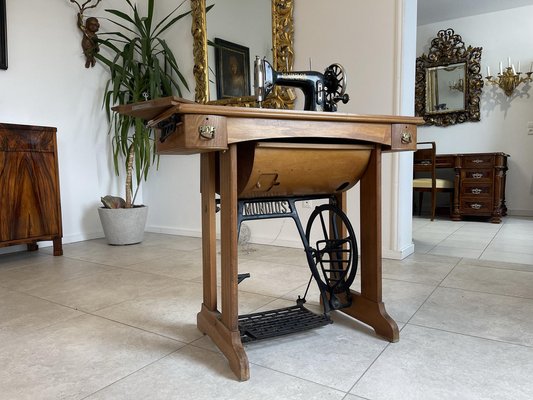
(283, 321)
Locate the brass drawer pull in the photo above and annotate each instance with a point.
(477, 161)
(475, 206)
(476, 191)
(477, 175)
(207, 132)
(406, 137)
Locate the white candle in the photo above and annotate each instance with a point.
(509, 60)
(512, 67)
(501, 70)
(519, 69)
(531, 67)
(488, 70)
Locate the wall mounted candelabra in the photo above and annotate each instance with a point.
(509, 79)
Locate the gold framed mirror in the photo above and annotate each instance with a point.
(448, 81)
(282, 55)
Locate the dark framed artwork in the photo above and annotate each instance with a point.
(232, 68)
(3, 35)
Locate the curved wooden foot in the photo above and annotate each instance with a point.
(374, 314)
(229, 342)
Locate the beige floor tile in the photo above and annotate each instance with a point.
(468, 350)
(184, 243)
(512, 245)
(98, 251)
(419, 268)
(101, 289)
(271, 279)
(505, 256)
(474, 243)
(434, 365)
(198, 374)
(490, 316)
(184, 265)
(75, 358)
(496, 264)
(22, 314)
(456, 251)
(277, 255)
(49, 272)
(22, 258)
(421, 248)
(403, 299)
(172, 312)
(491, 280)
(335, 355)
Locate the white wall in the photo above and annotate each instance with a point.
(48, 85)
(375, 76)
(503, 125)
(374, 41)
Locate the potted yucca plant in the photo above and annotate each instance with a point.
(141, 67)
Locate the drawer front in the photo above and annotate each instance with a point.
(476, 190)
(23, 138)
(403, 137)
(476, 175)
(196, 134)
(476, 206)
(478, 161)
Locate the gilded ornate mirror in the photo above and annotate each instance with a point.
(448, 81)
(282, 54)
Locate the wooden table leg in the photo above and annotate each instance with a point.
(209, 261)
(368, 306)
(222, 328)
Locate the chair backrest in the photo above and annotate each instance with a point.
(424, 158)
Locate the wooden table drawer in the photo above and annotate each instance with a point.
(476, 190)
(475, 206)
(477, 175)
(478, 161)
(26, 138)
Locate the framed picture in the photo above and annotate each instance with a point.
(3, 35)
(232, 68)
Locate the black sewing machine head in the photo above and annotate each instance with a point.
(322, 91)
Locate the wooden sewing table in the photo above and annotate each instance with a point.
(207, 129)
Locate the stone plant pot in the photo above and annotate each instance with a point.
(123, 225)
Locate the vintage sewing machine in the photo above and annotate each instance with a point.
(322, 91)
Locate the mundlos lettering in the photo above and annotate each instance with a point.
(266, 208)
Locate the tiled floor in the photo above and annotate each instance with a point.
(107, 322)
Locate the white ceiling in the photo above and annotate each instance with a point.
(430, 11)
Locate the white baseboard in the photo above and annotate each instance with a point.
(520, 213)
(174, 231)
(398, 254)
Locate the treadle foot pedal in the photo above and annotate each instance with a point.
(242, 277)
(283, 321)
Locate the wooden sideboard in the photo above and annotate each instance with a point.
(30, 208)
(479, 184)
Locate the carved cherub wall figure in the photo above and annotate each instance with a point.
(89, 42)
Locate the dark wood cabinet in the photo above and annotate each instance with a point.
(30, 209)
(479, 184)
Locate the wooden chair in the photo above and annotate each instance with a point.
(424, 162)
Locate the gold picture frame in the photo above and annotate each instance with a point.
(283, 55)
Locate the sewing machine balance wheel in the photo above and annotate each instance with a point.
(333, 246)
(336, 81)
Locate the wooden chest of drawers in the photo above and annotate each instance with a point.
(479, 184)
(30, 209)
